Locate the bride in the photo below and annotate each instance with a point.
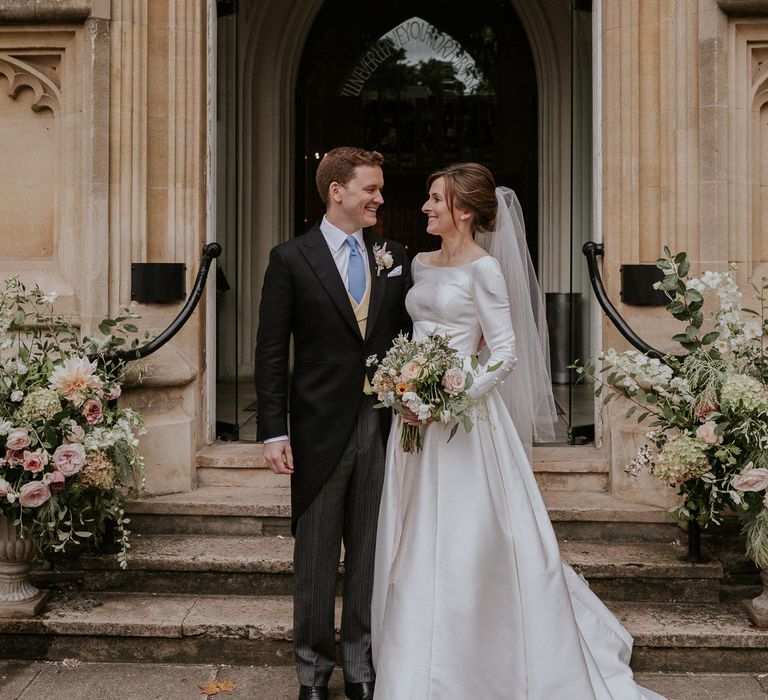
(471, 598)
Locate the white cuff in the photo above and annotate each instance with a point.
(275, 439)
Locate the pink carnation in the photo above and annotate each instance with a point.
(35, 461)
(706, 407)
(751, 480)
(69, 458)
(17, 439)
(34, 494)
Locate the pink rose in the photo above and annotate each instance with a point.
(751, 480)
(706, 432)
(17, 439)
(35, 461)
(55, 481)
(92, 411)
(34, 494)
(454, 380)
(69, 458)
(76, 434)
(5, 487)
(114, 393)
(14, 458)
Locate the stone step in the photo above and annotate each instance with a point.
(256, 630)
(239, 565)
(563, 468)
(265, 509)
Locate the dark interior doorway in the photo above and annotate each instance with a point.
(426, 83)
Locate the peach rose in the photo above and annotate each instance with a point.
(751, 480)
(35, 461)
(706, 432)
(69, 458)
(18, 439)
(34, 494)
(410, 371)
(93, 411)
(454, 381)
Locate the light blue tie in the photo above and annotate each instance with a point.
(356, 271)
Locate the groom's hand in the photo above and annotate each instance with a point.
(279, 457)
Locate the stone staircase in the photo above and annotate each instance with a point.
(210, 576)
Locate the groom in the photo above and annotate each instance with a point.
(339, 293)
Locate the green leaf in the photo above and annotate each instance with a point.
(474, 362)
(692, 295)
(494, 367)
(104, 328)
(131, 328)
(83, 533)
(710, 337)
(630, 412)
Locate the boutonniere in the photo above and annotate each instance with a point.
(383, 258)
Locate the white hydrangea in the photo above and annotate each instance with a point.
(697, 284)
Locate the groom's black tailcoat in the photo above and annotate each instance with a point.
(304, 297)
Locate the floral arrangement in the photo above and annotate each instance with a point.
(708, 408)
(426, 379)
(68, 455)
(383, 258)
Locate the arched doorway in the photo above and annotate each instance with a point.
(278, 65)
(426, 88)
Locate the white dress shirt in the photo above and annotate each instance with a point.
(335, 238)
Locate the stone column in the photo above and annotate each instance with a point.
(157, 196)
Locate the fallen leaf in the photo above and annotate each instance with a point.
(216, 687)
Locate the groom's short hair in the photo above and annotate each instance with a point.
(338, 165)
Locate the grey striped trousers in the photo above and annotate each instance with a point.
(346, 508)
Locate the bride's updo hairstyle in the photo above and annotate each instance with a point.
(470, 186)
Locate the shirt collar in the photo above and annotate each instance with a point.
(335, 237)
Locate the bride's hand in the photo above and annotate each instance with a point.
(411, 418)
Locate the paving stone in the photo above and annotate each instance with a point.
(702, 686)
(272, 683)
(15, 676)
(119, 682)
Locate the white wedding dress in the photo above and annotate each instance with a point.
(471, 599)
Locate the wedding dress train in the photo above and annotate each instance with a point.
(471, 598)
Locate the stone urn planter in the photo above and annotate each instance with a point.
(757, 608)
(18, 597)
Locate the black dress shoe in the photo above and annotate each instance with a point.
(314, 692)
(359, 691)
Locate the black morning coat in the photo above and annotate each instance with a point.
(304, 297)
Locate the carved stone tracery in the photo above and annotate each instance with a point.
(22, 74)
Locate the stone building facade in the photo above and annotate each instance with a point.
(137, 130)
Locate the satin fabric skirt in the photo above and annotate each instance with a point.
(471, 598)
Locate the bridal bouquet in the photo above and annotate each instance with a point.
(707, 409)
(68, 455)
(426, 378)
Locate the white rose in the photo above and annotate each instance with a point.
(5, 427)
(17, 396)
(387, 260)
